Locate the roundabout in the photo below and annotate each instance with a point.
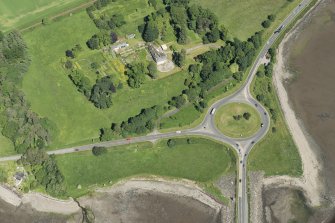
(237, 120)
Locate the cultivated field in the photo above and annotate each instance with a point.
(17, 13)
(181, 161)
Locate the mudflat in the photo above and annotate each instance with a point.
(152, 202)
(312, 92)
(25, 213)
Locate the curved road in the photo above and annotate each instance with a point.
(208, 128)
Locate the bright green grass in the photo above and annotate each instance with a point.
(6, 146)
(244, 17)
(184, 117)
(202, 161)
(53, 95)
(276, 154)
(237, 128)
(16, 13)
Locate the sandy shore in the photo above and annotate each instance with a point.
(149, 200)
(183, 188)
(310, 181)
(40, 202)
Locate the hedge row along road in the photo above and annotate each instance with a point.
(208, 128)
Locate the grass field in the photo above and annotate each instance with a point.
(241, 128)
(202, 161)
(6, 146)
(17, 13)
(181, 118)
(244, 17)
(53, 95)
(276, 154)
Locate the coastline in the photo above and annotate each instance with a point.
(39, 202)
(171, 188)
(310, 182)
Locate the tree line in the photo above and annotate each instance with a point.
(142, 123)
(28, 132)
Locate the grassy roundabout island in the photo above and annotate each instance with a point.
(237, 120)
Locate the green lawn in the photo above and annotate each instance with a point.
(241, 128)
(53, 95)
(276, 154)
(184, 117)
(244, 17)
(17, 13)
(6, 146)
(203, 161)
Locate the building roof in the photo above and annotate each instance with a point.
(157, 54)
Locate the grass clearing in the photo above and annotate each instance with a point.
(241, 128)
(244, 17)
(276, 154)
(17, 13)
(181, 118)
(53, 95)
(203, 161)
(6, 146)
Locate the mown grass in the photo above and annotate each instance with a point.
(244, 17)
(17, 13)
(276, 154)
(53, 95)
(203, 161)
(241, 128)
(6, 146)
(181, 118)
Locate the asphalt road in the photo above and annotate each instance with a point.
(208, 128)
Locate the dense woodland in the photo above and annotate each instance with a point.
(28, 132)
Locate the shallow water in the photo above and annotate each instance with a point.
(141, 206)
(312, 92)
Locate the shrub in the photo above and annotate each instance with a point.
(246, 115)
(98, 151)
(171, 143)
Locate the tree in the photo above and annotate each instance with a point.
(116, 21)
(114, 37)
(69, 53)
(150, 32)
(213, 36)
(171, 143)
(68, 65)
(46, 21)
(246, 115)
(101, 94)
(136, 73)
(179, 58)
(98, 151)
(178, 101)
(266, 23)
(272, 17)
(152, 69)
(93, 43)
(2, 36)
